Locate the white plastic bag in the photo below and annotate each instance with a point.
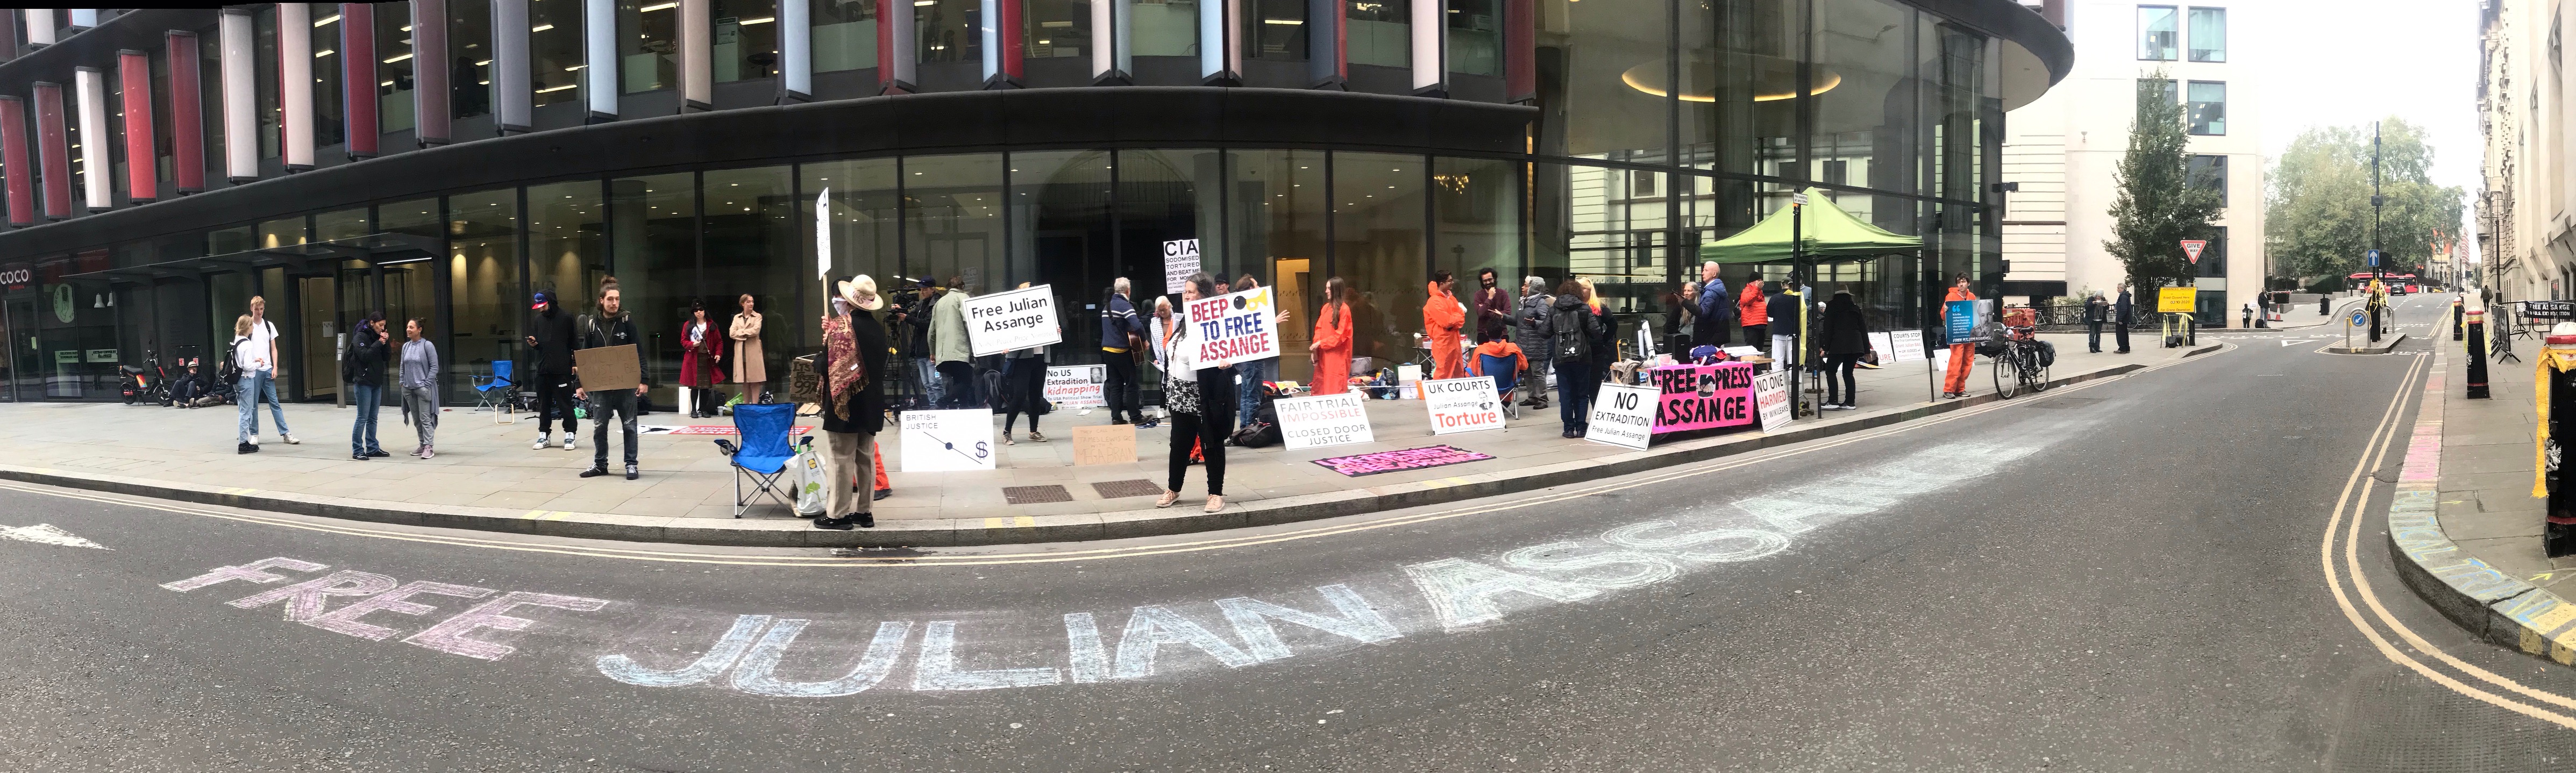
(808, 465)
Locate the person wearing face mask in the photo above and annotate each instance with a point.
(1199, 395)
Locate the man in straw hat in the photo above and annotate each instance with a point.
(855, 345)
(612, 326)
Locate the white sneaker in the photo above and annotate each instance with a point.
(254, 440)
(290, 439)
(543, 440)
(567, 442)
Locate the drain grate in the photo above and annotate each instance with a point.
(1113, 489)
(1035, 495)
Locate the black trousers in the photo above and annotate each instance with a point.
(958, 376)
(1756, 336)
(2122, 336)
(554, 395)
(1122, 393)
(1023, 391)
(1187, 427)
(1843, 364)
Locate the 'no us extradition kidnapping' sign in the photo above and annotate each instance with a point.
(1235, 327)
(1018, 319)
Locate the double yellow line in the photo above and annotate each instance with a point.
(2347, 518)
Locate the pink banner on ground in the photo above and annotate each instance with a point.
(1702, 396)
(1397, 461)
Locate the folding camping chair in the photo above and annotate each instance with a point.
(1506, 378)
(494, 391)
(764, 453)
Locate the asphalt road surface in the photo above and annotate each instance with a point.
(2123, 575)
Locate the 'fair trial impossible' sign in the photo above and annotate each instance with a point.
(1323, 420)
(1235, 327)
(1018, 319)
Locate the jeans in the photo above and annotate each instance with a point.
(367, 398)
(422, 403)
(925, 379)
(2095, 343)
(554, 393)
(1122, 391)
(257, 386)
(1574, 380)
(1843, 364)
(1248, 395)
(620, 402)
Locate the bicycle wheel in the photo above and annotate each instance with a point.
(2039, 375)
(2007, 377)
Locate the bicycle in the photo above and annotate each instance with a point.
(2018, 365)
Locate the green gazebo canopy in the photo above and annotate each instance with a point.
(1828, 233)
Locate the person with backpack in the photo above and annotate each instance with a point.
(1573, 331)
(1331, 347)
(550, 334)
(612, 326)
(362, 367)
(1531, 330)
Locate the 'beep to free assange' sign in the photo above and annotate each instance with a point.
(1018, 319)
(1235, 327)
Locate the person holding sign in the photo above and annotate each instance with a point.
(612, 327)
(701, 346)
(1024, 387)
(1332, 345)
(1963, 355)
(1199, 395)
(854, 353)
(1443, 321)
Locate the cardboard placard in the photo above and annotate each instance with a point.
(1235, 327)
(1007, 321)
(1909, 345)
(1771, 400)
(947, 441)
(1702, 396)
(1623, 415)
(1323, 420)
(1104, 444)
(1463, 404)
(1180, 260)
(1077, 386)
(608, 367)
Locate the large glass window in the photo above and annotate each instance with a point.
(1475, 36)
(1739, 111)
(469, 38)
(948, 30)
(2157, 33)
(2210, 172)
(567, 240)
(845, 34)
(1056, 28)
(264, 77)
(2213, 259)
(1163, 27)
(393, 69)
(1275, 29)
(1864, 87)
(648, 48)
(2208, 107)
(2209, 34)
(655, 239)
(283, 232)
(1061, 236)
(1279, 213)
(1475, 210)
(1378, 218)
(752, 246)
(746, 39)
(953, 219)
(344, 224)
(554, 52)
(485, 299)
(1610, 91)
(330, 124)
(865, 218)
(1381, 32)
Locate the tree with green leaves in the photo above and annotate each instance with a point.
(2317, 208)
(2158, 204)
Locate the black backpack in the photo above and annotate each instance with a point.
(1570, 344)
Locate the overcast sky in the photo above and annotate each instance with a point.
(2350, 62)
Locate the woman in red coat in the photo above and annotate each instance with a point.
(1332, 346)
(700, 344)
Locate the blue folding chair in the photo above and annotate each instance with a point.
(764, 453)
(493, 392)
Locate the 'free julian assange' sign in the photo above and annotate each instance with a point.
(1235, 327)
(1018, 319)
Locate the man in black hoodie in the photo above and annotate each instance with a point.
(550, 338)
(612, 326)
(363, 366)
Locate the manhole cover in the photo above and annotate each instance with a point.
(1113, 489)
(1035, 495)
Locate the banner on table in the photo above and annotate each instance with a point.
(1462, 404)
(1180, 260)
(1321, 420)
(1623, 415)
(1909, 345)
(1018, 319)
(1702, 396)
(1077, 386)
(947, 441)
(1771, 400)
(1235, 327)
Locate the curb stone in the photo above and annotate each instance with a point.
(2378, 348)
(1008, 529)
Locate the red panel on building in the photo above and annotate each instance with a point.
(13, 162)
(358, 76)
(142, 159)
(53, 154)
(187, 114)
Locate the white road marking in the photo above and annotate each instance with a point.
(47, 534)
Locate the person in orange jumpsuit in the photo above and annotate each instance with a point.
(1443, 321)
(1332, 344)
(1962, 355)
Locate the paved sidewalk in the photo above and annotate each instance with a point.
(487, 477)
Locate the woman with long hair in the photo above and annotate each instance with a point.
(1332, 346)
(750, 369)
(1199, 395)
(700, 346)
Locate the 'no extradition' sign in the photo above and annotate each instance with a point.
(1323, 420)
(1018, 319)
(1623, 415)
(1235, 327)
(1076, 386)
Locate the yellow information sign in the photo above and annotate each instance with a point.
(2171, 300)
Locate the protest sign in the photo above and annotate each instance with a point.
(947, 441)
(1771, 398)
(1077, 386)
(1104, 444)
(1702, 396)
(1623, 415)
(1180, 260)
(1909, 345)
(1018, 319)
(1462, 404)
(1235, 327)
(1321, 420)
(1884, 345)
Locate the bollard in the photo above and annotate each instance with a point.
(2477, 335)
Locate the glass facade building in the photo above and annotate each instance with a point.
(1606, 139)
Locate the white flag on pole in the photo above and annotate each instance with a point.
(823, 235)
